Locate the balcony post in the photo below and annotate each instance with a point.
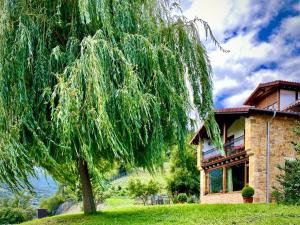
(224, 179)
(225, 136)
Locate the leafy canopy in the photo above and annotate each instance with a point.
(184, 172)
(96, 80)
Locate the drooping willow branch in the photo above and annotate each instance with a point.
(96, 80)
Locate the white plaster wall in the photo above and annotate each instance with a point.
(207, 145)
(237, 128)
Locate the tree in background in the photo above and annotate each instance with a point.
(184, 173)
(137, 189)
(84, 83)
(289, 179)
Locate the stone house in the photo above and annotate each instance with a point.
(257, 137)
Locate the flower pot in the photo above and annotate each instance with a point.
(248, 199)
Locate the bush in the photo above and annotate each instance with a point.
(289, 179)
(192, 199)
(15, 215)
(139, 190)
(16, 210)
(247, 191)
(289, 193)
(278, 196)
(52, 203)
(182, 198)
(101, 196)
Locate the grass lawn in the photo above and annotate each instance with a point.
(184, 215)
(119, 202)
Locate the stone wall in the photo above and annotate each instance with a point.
(281, 148)
(232, 197)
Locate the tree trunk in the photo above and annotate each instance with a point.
(89, 206)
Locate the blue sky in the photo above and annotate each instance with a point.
(263, 37)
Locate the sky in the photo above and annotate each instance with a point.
(263, 37)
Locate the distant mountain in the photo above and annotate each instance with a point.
(44, 186)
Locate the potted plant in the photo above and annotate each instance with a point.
(182, 198)
(247, 193)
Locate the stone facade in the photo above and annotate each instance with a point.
(281, 148)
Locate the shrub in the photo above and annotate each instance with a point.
(247, 191)
(9, 215)
(140, 190)
(182, 198)
(17, 209)
(192, 199)
(289, 190)
(278, 196)
(101, 196)
(52, 203)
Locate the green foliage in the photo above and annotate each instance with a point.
(184, 173)
(52, 203)
(289, 179)
(137, 189)
(96, 81)
(15, 215)
(182, 198)
(16, 210)
(289, 190)
(101, 193)
(191, 214)
(248, 191)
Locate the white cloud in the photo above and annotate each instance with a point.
(238, 72)
(236, 100)
(297, 6)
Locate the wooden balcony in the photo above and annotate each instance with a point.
(234, 150)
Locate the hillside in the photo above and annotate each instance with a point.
(184, 214)
(144, 176)
(43, 185)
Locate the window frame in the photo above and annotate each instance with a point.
(224, 176)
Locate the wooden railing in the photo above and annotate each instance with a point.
(231, 147)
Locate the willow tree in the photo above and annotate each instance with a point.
(88, 81)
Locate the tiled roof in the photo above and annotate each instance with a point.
(276, 83)
(233, 110)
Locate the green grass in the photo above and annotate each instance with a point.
(144, 176)
(119, 202)
(184, 215)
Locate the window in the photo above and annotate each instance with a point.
(236, 177)
(216, 181)
(286, 98)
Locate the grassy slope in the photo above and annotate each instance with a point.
(144, 176)
(185, 215)
(119, 202)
